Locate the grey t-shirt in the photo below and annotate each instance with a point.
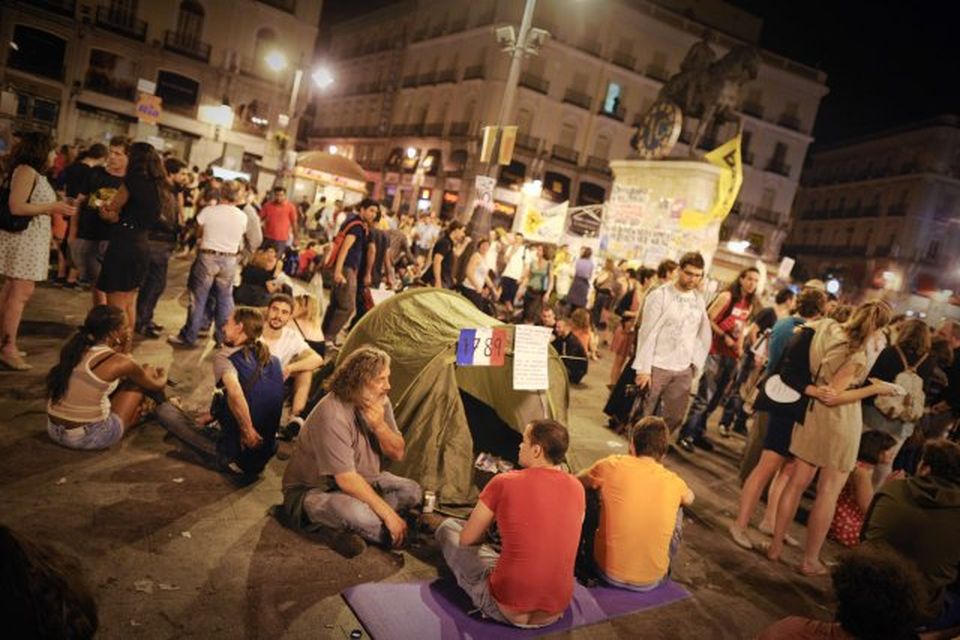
(222, 364)
(335, 439)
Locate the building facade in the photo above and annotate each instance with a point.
(882, 212)
(419, 80)
(77, 68)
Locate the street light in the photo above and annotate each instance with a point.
(411, 153)
(332, 148)
(322, 77)
(276, 61)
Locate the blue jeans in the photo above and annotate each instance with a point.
(209, 272)
(717, 373)
(154, 284)
(337, 510)
(733, 414)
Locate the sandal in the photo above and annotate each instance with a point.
(15, 363)
(788, 539)
(740, 537)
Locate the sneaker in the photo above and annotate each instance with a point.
(150, 333)
(686, 444)
(703, 443)
(156, 327)
(177, 341)
(724, 431)
(348, 544)
(740, 537)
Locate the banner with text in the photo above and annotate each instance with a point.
(481, 347)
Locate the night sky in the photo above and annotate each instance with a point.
(887, 62)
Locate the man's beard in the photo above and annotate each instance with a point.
(276, 325)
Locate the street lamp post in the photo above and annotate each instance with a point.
(527, 41)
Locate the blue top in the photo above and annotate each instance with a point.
(357, 254)
(779, 337)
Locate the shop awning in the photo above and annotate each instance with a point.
(331, 169)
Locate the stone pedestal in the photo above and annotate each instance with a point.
(661, 209)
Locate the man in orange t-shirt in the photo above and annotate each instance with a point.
(640, 514)
(539, 513)
(279, 220)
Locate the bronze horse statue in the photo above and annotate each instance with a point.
(711, 92)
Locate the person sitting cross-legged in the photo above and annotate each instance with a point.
(539, 512)
(334, 479)
(298, 359)
(247, 406)
(641, 515)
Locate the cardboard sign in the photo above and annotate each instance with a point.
(481, 347)
(530, 362)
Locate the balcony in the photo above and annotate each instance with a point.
(565, 154)
(528, 142)
(186, 45)
(473, 72)
(618, 113)
(457, 27)
(536, 83)
(589, 46)
(765, 215)
(598, 165)
(447, 75)
(434, 129)
(754, 109)
(459, 129)
(790, 122)
(575, 97)
(122, 22)
(871, 211)
(779, 167)
(897, 209)
(657, 72)
(283, 5)
(409, 81)
(625, 60)
(426, 78)
(66, 8)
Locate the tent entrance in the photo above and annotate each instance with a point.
(489, 432)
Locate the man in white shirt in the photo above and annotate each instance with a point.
(253, 237)
(221, 229)
(514, 263)
(673, 341)
(297, 357)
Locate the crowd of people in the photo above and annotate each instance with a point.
(863, 402)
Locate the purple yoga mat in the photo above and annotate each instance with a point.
(438, 609)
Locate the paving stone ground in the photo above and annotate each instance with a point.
(176, 551)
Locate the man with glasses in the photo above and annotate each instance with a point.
(673, 342)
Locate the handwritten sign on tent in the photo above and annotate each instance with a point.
(481, 347)
(530, 364)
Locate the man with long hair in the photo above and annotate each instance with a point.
(730, 314)
(334, 479)
(247, 404)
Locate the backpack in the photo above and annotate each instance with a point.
(793, 371)
(337, 243)
(909, 406)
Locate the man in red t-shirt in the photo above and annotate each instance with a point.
(279, 220)
(539, 513)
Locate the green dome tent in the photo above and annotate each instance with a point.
(438, 404)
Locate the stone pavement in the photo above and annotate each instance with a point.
(175, 551)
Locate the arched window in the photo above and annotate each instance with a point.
(568, 135)
(601, 147)
(190, 21)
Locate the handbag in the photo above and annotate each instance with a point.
(9, 222)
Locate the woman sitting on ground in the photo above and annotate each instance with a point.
(876, 448)
(258, 280)
(86, 409)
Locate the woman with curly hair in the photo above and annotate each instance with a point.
(829, 437)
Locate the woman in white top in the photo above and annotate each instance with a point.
(24, 255)
(87, 407)
(477, 276)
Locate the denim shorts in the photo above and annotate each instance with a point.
(96, 435)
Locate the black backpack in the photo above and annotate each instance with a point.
(794, 370)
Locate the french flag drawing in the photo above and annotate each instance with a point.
(481, 347)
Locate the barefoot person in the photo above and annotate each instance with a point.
(88, 408)
(539, 513)
(830, 435)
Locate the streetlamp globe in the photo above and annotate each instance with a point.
(411, 153)
(322, 77)
(276, 61)
(332, 148)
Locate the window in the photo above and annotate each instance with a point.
(766, 200)
(590, 193)
(568, 135)
(190, 21)
(177, 91)
(37, 52)
(111, 75)
(611, 102)
(265, 44)
(524, 120)
(556, 186)
(601, 148)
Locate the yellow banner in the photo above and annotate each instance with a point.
(507, 140)
(727, 157)
(489, 136)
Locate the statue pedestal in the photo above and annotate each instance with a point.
(660, 209)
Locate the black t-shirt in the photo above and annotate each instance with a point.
(766, 319)
(443, 247)
(357, 255)
(75, 179)
(100, 187)
(144, 203)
